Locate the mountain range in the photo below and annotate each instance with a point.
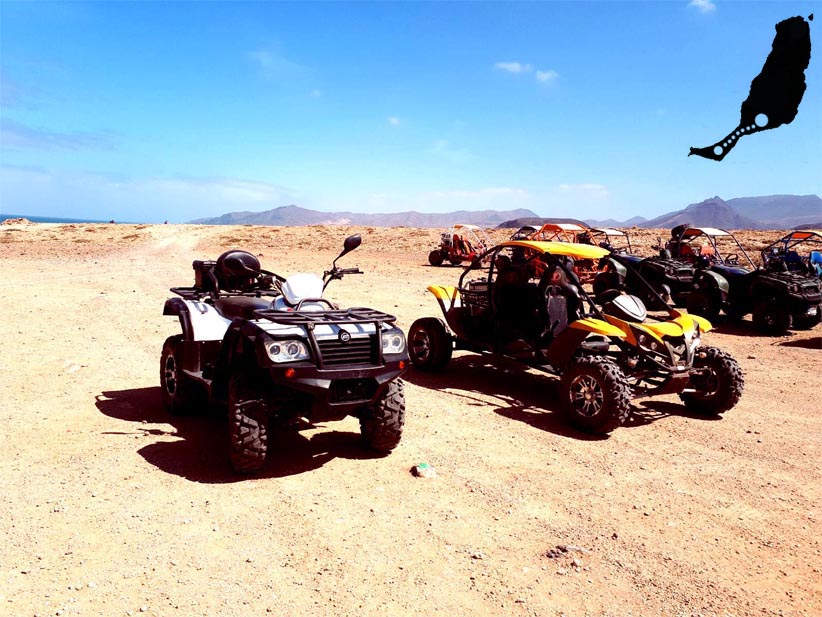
(294, 216)
(765, 212)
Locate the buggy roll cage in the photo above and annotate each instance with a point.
(688, 235)
(542, 249)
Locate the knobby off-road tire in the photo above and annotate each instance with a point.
(455, 260)
(703, 304)
(596, 394)
(769, 317)
(180, 395)
(247, 425)
(722, 387)
(381, 425)
(429, 344)
(435, 258)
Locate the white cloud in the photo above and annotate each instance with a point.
(703, 6)
(586, 189)
(149, 199)
(393, 121)
(271, 63)
(513, 67)
(547, 76)
(495, 191)
(18, 136)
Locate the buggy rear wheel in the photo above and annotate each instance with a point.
(769, 317)
(429, 344)
(720, 386)
(597, 397)
(247, 424)
(455, 260)
(180, 394)
(435, 258)
(381, 425)
(703, 304)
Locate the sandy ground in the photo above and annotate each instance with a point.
(112, 507)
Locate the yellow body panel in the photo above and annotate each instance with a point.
(444, 292)
(577, 251)
(688, 320)
(597, 326)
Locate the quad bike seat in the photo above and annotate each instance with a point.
(243, 307)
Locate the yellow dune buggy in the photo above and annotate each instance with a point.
(521, 299)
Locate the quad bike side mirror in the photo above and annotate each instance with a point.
(351, 242)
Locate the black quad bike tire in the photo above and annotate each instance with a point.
(381, 424)
(435, 258)
(596, 394)
(247, 425)
(726, 383)
(429, 344)
(702, 303)
(769, 317)
(180, 393)
(455, 260)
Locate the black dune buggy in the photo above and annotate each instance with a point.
(274, 350)
(527, 304)
(726, 279)
(799, 250)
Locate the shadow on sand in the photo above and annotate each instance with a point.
(815, 342)
(200, 452)
(525, 396)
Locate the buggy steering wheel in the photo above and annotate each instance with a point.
(732, 259)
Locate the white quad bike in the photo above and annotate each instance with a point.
(271, 349)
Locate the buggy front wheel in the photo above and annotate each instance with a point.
(718, 384)
(703, 304)
(596, 394)
(770, 317)
(429, 344)
(435, 258)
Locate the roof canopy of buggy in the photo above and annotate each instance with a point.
(568, 249)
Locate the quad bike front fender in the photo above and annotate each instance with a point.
(710, 280)
(199, 321)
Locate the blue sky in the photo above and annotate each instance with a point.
(152, 111)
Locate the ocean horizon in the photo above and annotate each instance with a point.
(56, 219)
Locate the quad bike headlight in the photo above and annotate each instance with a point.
(393, 342)
(287, 351)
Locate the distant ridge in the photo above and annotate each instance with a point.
(766, 212)
(292, 215)
(714, 212)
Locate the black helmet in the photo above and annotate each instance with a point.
(236, 268)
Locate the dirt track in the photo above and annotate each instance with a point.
(112, 507)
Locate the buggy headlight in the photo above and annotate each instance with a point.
(393, 342)
(287, 351)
